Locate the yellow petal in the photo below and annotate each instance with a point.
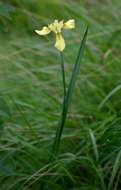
(60, 25)
(70, 24)
(52, 28)
(60, 42)
(45, 30)
(56, 26)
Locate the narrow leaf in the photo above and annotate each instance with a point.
(116, 167)
(69, 93)
(115, 90)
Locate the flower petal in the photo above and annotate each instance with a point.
(45, 30)
(56, 26)
(70, 24)
(60, 42)
(60, 25)
(52, 28)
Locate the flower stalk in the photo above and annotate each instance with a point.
(56, 27)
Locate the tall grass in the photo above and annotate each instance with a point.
(31, 97)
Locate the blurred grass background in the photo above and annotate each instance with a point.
(31, 96)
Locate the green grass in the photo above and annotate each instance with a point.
(31, 97)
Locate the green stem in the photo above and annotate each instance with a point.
(60, 129)
(63, 74)
(68, 94)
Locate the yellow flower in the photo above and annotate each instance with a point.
(57, 27)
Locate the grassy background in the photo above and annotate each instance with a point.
(31, 97)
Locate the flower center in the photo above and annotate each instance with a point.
(56, 26)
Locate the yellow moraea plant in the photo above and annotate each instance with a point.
(57, 27)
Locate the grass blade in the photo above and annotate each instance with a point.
(116, 167)
(116, 89)
(93, 139)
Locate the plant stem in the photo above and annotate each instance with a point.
(68, 94)
(60, 129)
(63, 74)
